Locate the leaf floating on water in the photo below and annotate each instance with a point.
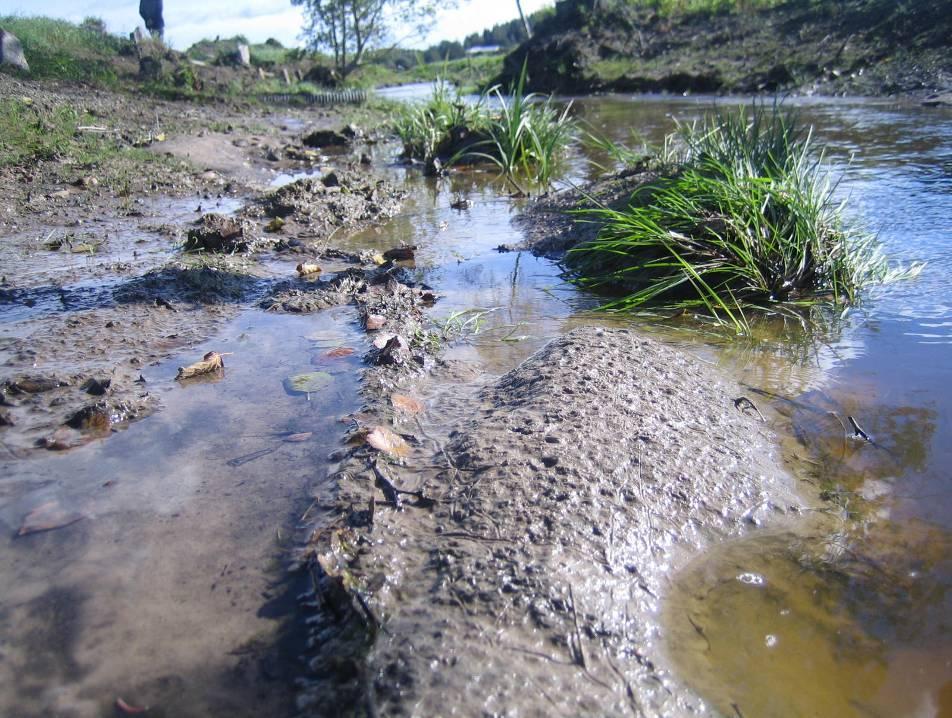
(211, 362)
(308, 383)
(326, 336)
(406, 404)
(308, 268)
(129, 708)
(339, 352)
(296, 438)
(47, 517)
(383, 439)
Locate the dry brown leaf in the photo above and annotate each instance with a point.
(212, 361)
(307, 268)
(383, 439)
(406, 404)
(375, 322)
(303, 436)
(47, 517)
(128, 708)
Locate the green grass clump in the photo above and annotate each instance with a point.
(529, 134)
(57, 49)
(28, 134)
(743, 217)
(524, 137)
(446, 126)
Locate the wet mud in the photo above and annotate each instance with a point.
(523, 572)
(104, 276)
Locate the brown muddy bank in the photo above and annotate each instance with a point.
(849, 47)
(524, 570)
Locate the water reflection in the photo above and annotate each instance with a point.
(840, 624)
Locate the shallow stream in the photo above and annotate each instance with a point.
(171, 592)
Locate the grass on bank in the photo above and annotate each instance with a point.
(525, 135)
(31, 134)
(57, 49)
(743, 216)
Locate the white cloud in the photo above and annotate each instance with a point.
(187, 21)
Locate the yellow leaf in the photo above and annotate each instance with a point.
(383, 439)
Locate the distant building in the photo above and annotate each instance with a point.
(483, 49)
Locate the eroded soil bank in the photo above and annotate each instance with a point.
(849, 47)
(524, 573)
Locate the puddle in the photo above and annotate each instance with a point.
(164, 592)
(94, 257)
(832, 624)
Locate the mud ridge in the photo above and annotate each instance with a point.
(525, 575)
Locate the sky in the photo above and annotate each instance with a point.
(187, 21)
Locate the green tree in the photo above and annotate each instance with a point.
(349, 28)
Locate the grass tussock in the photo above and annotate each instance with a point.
(524, 134)
(743, 215)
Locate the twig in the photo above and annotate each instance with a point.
(700, 631)
(857, 430)
(580, 652)
(742, 401)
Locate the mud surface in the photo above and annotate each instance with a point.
(551, 225)
(526, 575)
(111, 266)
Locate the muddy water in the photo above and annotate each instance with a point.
(850, 617)
(170, 590)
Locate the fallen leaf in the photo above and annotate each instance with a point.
(295, 438)
(212, 361)
(130, 709)
(308, 383)
(383, 439)
(327, 337)
(47, 517)
(375, 322)
(307, 268)
(274, 225)
(338, 352)
(378, 259)
(406, 404)
(84, 248)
